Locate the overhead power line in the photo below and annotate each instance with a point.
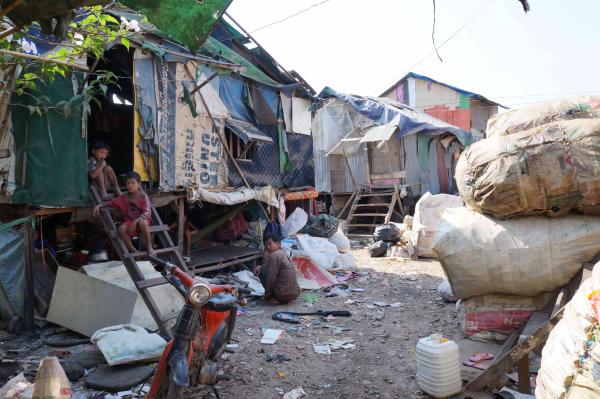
(290, 16)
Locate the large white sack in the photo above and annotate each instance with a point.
(525, 256)
(428, 210)
(567, 342)
(319, 249)
(525, 118)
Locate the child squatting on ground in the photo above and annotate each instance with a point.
(278, 275)
(135, 208)
(101, 174)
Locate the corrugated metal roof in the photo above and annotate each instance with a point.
(378, 133)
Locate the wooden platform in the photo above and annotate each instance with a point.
(222, 256)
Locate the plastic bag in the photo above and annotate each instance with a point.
(295, 222)
(387, 232)
(378, 249)
(319, 249)
(340, 240)
(445, 291)
(345, 262)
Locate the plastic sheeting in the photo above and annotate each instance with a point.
(246, 131)
(127, 343)
(265, 194)
(384, 111)
(50, 152)
(12, 268)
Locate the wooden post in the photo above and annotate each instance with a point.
(523, 373)
(28, 249)
(181, 224)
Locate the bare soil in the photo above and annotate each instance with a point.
(382, 365)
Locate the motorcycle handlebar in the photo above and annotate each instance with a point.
(159, 263)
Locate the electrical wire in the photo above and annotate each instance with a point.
(481, 10)
(290, 16)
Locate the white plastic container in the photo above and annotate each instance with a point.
(438, 366)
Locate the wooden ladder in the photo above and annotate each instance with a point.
(142, 284)
(380, 212)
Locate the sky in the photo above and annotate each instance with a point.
(504, 54)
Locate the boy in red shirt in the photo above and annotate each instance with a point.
(135, 208)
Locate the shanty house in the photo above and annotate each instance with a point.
(467, 110)
(366, 143)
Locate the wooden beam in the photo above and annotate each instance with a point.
(494, 376)
(50, 211)
(44, 59)
(180, 223)
(523, 373)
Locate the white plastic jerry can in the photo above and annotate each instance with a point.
(438, 366)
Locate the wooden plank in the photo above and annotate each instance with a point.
(50, 211)
(393, 175)
(523, 373)
(380, 204)
(370, 214)
(494, 376)
(341, 213)
(395, 197)
(383, 194)
(160, 227)
(362, 225)
(181, 219)
(140, 254)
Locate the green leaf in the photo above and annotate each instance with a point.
(110, 18)
(125, 42)
(104, 88)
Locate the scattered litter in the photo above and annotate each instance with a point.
(337, 291)
(249, 331)
(241, 311)
(277, 357)
(251, 313)
(294, 394)
(481, 356)
(310, 297)
(271, 336)
(286, 317)
(254, 284)
(476, 365)
(16, 388)
(396, 305)
(357, 289)
(322, 349)
(232, 346)
(281, 374)
(445, 291)
(333, 345)
(380, 304)
(279, 391)
(350, 302)
(310, 275)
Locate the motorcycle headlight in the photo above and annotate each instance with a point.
(199, 294)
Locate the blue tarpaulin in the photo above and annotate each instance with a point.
(387, 112)
(246, 131)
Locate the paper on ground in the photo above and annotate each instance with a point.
(270, 336)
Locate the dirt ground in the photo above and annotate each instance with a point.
(379, 361)
(382, 365)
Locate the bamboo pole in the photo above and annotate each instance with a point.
(44, 59)
(8, 31)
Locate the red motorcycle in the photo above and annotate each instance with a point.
(202, 330)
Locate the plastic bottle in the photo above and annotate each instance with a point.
(438, 366)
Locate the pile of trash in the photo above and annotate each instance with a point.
(502, 253)
(393, 240)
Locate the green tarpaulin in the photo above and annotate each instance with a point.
(187, 21)
(50, 152)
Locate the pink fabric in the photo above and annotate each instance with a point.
(400, 93)
(442, 170)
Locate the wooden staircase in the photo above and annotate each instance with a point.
(168, 249)
(371, 209)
